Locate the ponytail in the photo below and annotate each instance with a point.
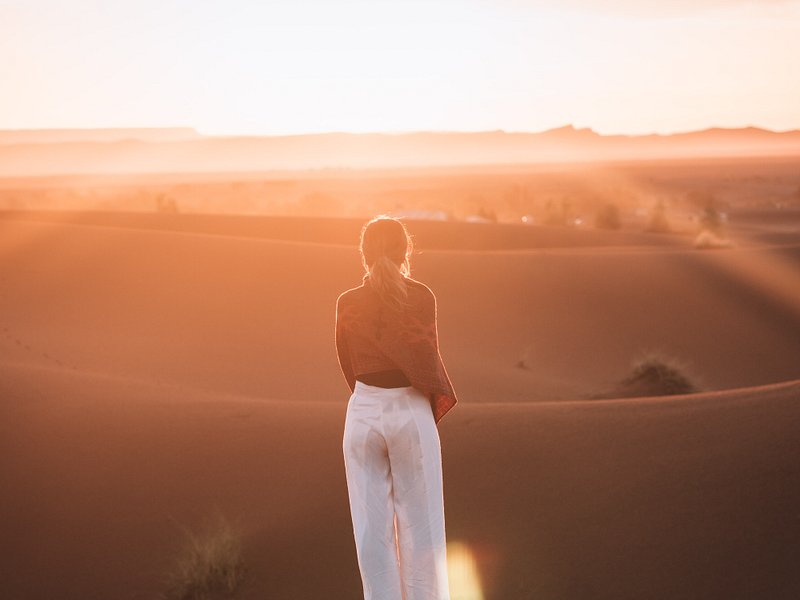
(386, 249)
(389, 282)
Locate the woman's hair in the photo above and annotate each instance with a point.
(386, 248)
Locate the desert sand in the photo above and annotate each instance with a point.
(154, 368)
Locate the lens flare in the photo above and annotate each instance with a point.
(462, 572)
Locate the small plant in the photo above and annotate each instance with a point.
(210, 565)
(712, 230)
(653, 374)
(711, 220)
(657, 375)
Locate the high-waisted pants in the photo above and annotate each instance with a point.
(393, 466)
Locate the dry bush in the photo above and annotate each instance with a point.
(658, 375)
(655, 374)
(210, 565)
(711, 219)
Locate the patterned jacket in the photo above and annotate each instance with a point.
(371, 337)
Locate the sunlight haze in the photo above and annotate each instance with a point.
(248, 67)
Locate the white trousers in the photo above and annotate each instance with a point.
(393, 466)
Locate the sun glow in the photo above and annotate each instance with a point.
(249, 67)
(462, 571)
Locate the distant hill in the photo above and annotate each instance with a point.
(50, 152)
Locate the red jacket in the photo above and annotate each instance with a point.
(371, 337)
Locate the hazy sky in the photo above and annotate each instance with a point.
(296, 66)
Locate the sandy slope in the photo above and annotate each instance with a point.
(148, 375)
(690, 497)
(242, 314)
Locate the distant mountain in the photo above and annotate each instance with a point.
(184, 150)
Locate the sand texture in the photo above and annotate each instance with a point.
(155, 368)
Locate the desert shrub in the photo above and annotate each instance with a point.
(210, 564)
(710, 219)
(607, 217)
(658, 375)
(654, 374)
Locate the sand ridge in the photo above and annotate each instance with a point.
(693, 496)
(148, 378)
(235, 315)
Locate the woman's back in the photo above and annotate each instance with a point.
(371, 337)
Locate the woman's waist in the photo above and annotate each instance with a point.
(384, 378)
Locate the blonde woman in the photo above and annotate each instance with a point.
(388, 350)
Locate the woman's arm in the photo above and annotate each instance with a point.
(342, 351)
(430, 319)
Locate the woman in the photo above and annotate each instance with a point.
(388, 350)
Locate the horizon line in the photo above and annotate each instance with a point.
(568, 126)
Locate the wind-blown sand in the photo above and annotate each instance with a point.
(149, 374)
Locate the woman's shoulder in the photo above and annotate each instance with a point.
(418, 285)
(423, 297)
(349, 294)
(362, 292)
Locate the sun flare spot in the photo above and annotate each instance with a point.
(462, 572)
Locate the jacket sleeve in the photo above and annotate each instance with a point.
(430, 320)
(442, 399)
(342, 350)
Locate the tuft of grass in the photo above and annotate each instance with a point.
(654, 374)
(210, 564)
(658, 375)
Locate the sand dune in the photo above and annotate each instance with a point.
(154, 368)
(237, 313)
(428, 235)
(687, 497)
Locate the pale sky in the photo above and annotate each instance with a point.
(300, 66)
